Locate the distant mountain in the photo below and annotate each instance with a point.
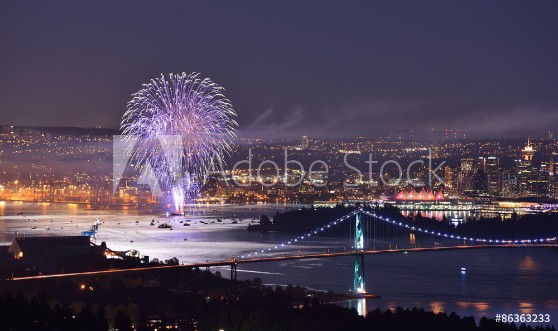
(66, 130)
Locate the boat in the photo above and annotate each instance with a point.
(93, 230)
(165, 226)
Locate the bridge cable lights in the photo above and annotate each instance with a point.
(459, 237)
(304, 236)
(400, 224)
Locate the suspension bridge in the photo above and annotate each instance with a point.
(368, 231)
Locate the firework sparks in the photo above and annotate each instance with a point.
(184, 125)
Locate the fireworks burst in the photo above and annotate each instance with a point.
(184, 125)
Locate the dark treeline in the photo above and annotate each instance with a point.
(534, 226)
(19, 313)
(270, 310)
(250, 308)
(306, 219)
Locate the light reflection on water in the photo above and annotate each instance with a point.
(528, 264)
(497, 280)
(360, 306)
(478, 306)
(438, 215)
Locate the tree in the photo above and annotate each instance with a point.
(265, 221)
(122, 321)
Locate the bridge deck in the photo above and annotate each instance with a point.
(277, 258)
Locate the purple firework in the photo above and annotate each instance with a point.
(184, 125)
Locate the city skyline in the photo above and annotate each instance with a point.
(72, 163)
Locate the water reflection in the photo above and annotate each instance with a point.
(359, 305)
(526, 307)
(478, 306)
(497, 280)
(438, 215)
(528, 264)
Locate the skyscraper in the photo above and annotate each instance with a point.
(493, 179)
(510, 185)
(552, 189)
(527, 154)
(551, 164)
(466, 175)
(304, 142)
(467, 166)
(525, 169)
(450, 179)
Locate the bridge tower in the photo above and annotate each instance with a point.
(358, 284)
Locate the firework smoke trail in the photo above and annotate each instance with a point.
(184, 125)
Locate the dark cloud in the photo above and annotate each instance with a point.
(290, 67)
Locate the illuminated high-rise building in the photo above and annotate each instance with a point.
(510, 185)
(552, 188)
(304, 142)
(493, 179)
(527, 153)
(450, 178)
(480, 183)
(481, 165)
(551, 163)
(467, 166)
(466, 175)
(524, 169)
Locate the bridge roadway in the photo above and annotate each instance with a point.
(232, 262)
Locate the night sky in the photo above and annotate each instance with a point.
(487, 67)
